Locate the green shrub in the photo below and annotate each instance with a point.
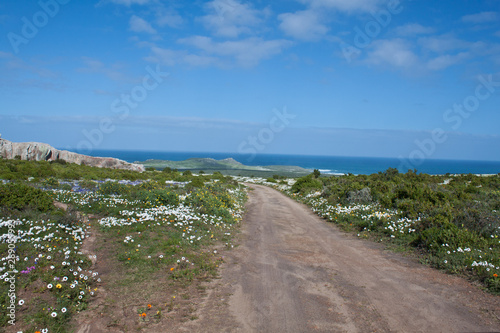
(157, 197)
(113, 188)
(218, 175)
(150, 185)
(20, 196)
(307, 183)
(88, 184)
(169, 170)
(59, 161)
(50, 183)
(66, 187)
(316, 173)
(477, 218)
(434, 232)
(197, 182)
(212, 200)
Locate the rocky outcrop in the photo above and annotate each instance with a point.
(35, 151)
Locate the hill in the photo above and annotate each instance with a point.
(228, 166)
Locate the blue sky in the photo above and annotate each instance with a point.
(407, 79)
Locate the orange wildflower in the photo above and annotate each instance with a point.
(149, 306)
(495, 275)
(143, 315)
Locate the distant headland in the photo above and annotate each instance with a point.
(228, 166)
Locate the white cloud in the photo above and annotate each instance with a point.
(432, 53)
(168, 17)
(19, 73)
(230, 18)
(128, 3)
(247, 52)
(172, 57)
(396, 52)
(311, 24)
(345, 5)
(401, 53)
(165, 56)
(138, 24)
(304, 25)
(199, 60)
(18, 65)
(95, 66)
(452, 50)
(446, 61)
(413, 29)
(481, 17)
(443, 43)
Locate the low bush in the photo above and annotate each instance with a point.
(111, 187)
(307, 183)
(196, 182)
(157, 197)
(212, 200)
(18, 196)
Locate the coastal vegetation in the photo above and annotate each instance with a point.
(154, 234)
(82, 233)
(452, 222)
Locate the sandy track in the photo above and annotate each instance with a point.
(293, 272)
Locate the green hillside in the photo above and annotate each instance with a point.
(226, 166)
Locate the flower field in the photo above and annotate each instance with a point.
(152, 227)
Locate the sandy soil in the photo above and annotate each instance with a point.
(293, 272)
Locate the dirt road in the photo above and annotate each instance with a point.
(293, 272)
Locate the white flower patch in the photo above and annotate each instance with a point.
(128, 239)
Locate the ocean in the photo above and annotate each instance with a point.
(326, 164)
